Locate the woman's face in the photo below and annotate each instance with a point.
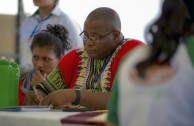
(44, 59)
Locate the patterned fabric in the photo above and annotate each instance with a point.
(89, 69)
(26, 78)
(77, 70)
(24, 84)
(53, 81)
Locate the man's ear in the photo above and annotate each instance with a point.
(116, 37)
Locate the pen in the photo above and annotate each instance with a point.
(36, 92)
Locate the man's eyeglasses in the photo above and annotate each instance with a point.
(94, 37)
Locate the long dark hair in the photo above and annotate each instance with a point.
(165, 34)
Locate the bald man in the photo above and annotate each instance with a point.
(85, 75)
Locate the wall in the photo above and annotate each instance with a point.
(7, 36)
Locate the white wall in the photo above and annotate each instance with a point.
(134, 14)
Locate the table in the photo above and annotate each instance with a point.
(44, 118)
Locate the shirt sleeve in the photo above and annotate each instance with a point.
(113, 104)
(53, 81)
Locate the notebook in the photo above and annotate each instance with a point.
(98, 119)
(86, 118)
(25, 108)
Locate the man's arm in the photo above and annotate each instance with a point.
(96, 100)
(88, 99)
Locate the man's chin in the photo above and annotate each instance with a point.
(93, 56)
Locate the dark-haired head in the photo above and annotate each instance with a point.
(61, 32)
(55, 38)
(164, 35)
(47, 40)
(190, 8)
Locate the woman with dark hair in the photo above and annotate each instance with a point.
(154, 85)
(47, 49)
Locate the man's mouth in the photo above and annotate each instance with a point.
(91, 51)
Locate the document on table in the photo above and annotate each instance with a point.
(91, 117)
(25, 108)
(98, 119)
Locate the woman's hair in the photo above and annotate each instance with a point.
(165, 34)
(55, 37)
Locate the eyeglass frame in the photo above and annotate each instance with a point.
(94, 39)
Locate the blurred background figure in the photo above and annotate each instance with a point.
(48, 13)
(47, 48)
(154, 86)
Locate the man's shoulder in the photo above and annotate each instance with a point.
(130, 44)
(126, 47)
(133, 42)
(72, 52)
(71, 55)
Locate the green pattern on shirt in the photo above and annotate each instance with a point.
(54, 81)
(190, 48)
(113, 102)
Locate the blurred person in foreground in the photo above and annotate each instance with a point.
(47, 49)
(84, 76)
(154, 85)
(48, 12)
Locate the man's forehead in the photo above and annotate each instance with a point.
(96, 25)
(90, 20)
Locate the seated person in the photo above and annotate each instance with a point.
(84, 76)
(154, 85)
(47, 49)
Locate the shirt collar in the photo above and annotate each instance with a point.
(56, 11)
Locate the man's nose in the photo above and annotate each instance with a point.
(89, 42)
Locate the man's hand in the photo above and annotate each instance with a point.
(60, 98)
(89, 99)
